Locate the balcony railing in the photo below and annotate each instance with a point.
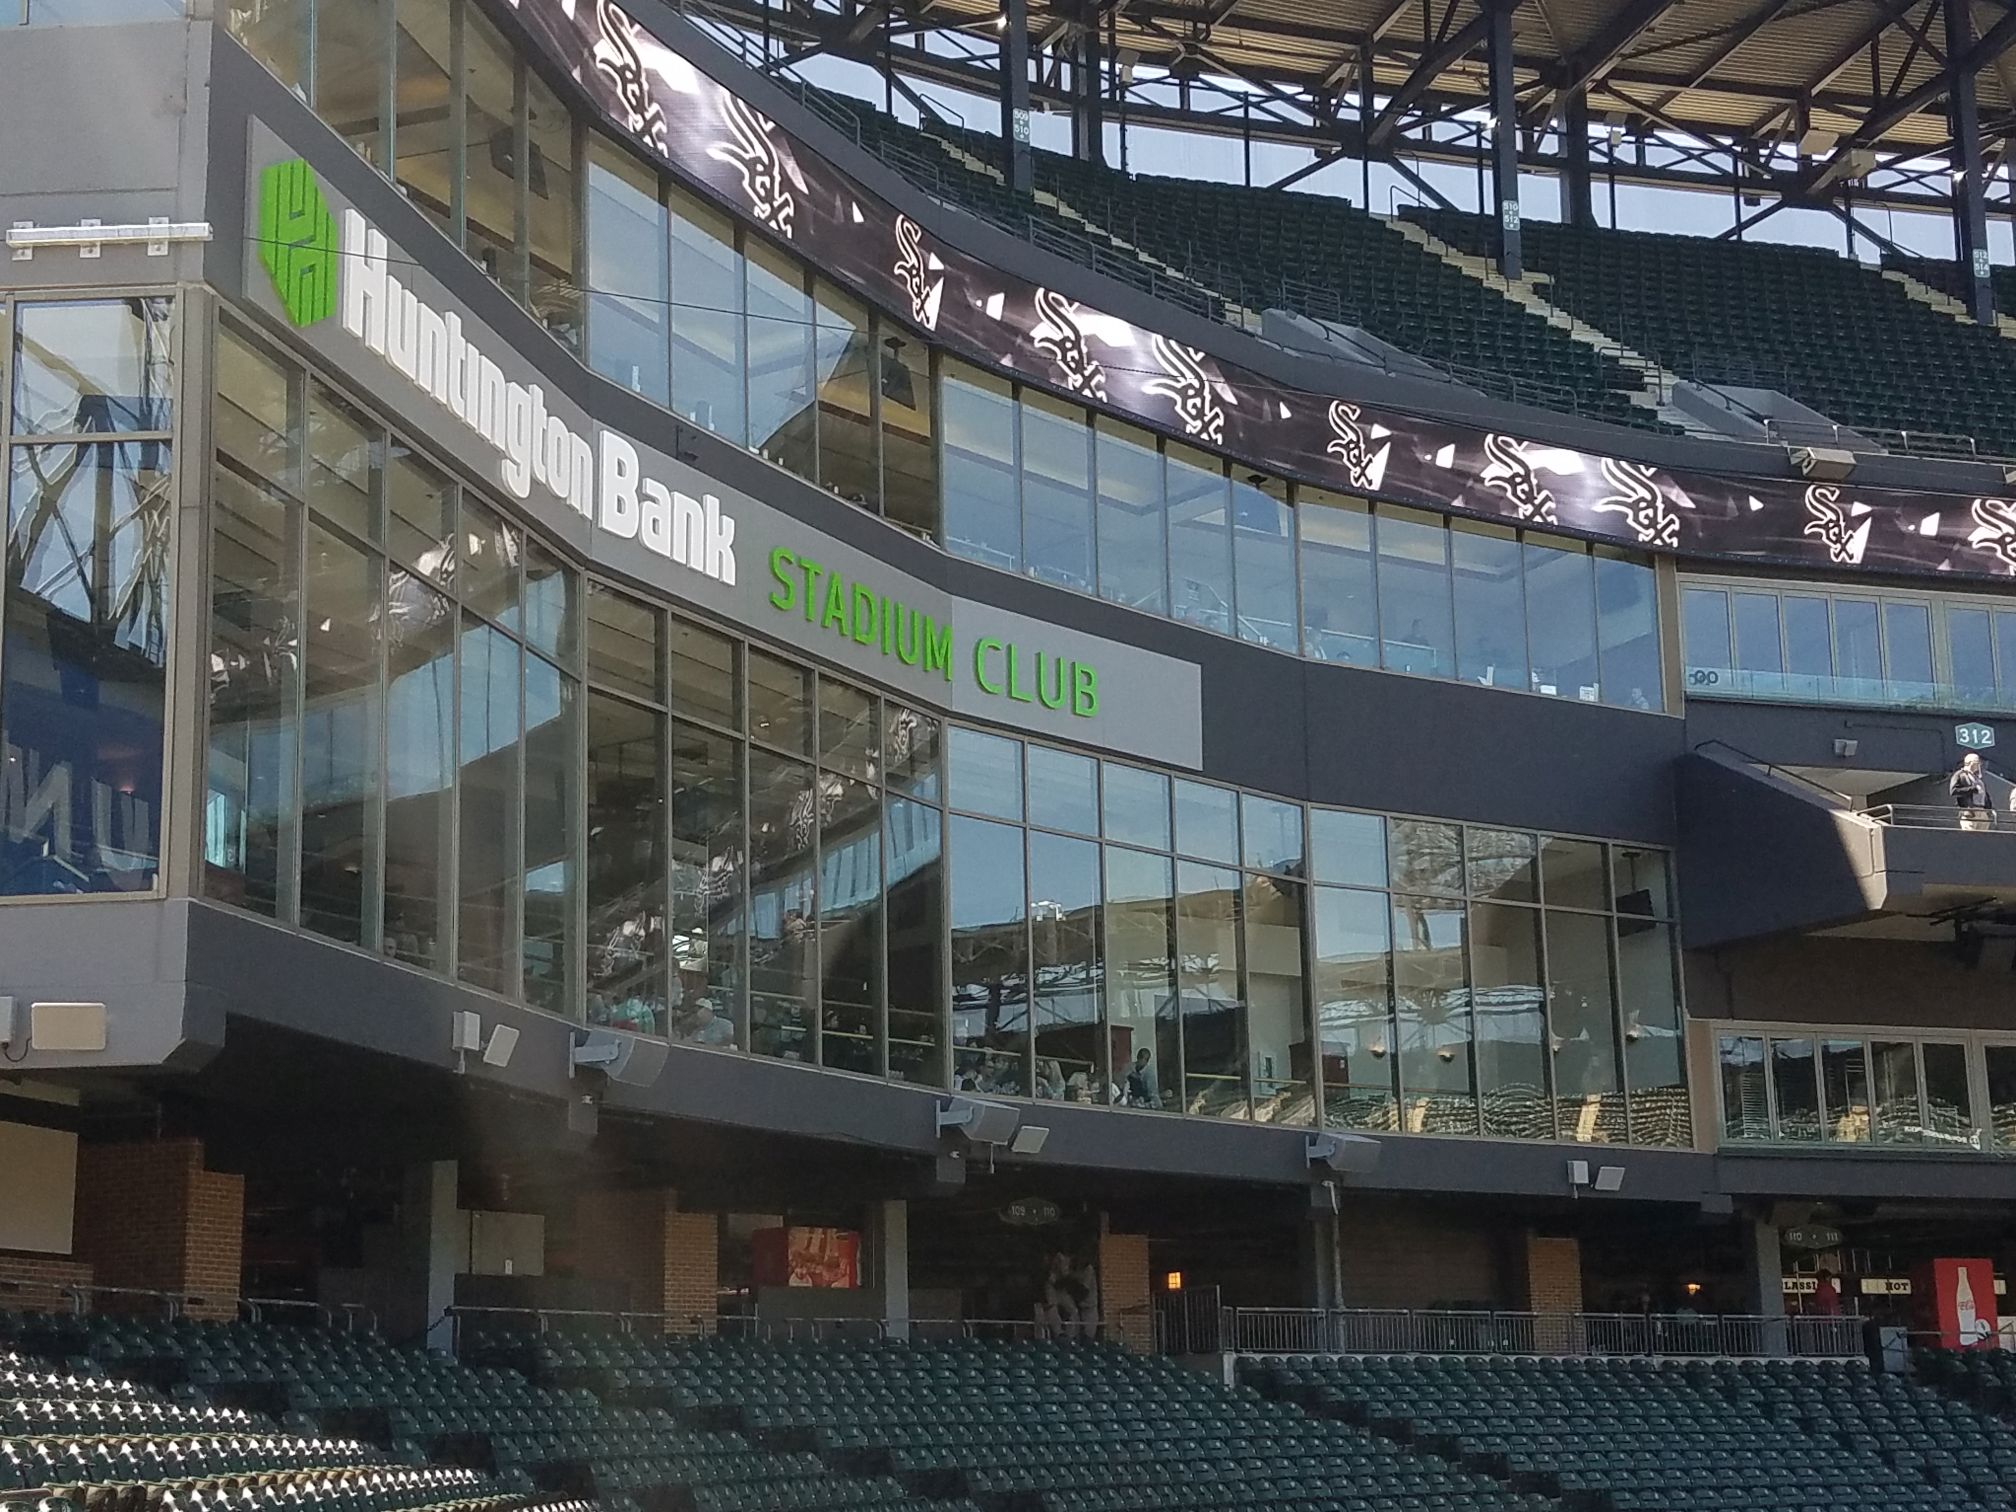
(1944, 816)
(1282, 1330)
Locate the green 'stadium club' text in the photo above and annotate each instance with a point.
(857, 613)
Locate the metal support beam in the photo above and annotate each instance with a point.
(1970, 202)
(1576, 206)
(1088, 94)
(1016, 165)
(1431, 67)
(1504, 134)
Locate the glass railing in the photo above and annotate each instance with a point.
(1884, 692)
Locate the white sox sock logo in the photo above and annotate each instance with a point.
(1059, 337)
(1638, 499)
(618, 60)
(754, 155)
(1995, 530)
(921, 272)
(1835, 524)
(1189, 387)
(1510, 473)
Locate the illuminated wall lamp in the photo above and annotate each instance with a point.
(90, 236)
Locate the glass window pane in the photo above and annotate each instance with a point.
(983, 515)
(1426, 857)
(781, 407)
(1971, 651)
(986, 774)
(629, 273)
(2005, 649)
(700, 669)
(1759, 645)
(1135, 806)
(782, 943)
(1746, 1116)
(1858, 643)
(277, 35)
(1414, 596)
(1655, 1051)
(1949, 1107)
(990, 958)
(550, 586)
(1490, 606)
(424, 137)
(1132, 527)
(1271, 832)
(914, 838)
(1808, 637)
(1893, 1072)
(552, 879)
(709, 925)
(1069, 975)
(254, 660)
(1907, 635)
(1207, 821)
(1140, 978)
(1277, 1028)
(1704, 621)
(1504, 865)
(1347, 847)
(82, 667)
(350, 71)
(1561, 613)
(420, 508)
(490, 99)
(843, 368)
(2001, 1066)
(552, 213)
(1582, 1025)
(1644, 884)
(1063, 791)
(339, 737)
(1431, 1001)
(487, 938)
(849, 729)
(1509, 1001)
(850, 925)
(624, 636)
(257, 416)
(1208, 976)
(910, 748)
(1354, 1010)
(1794, 1093)
(909, 430)
(1627, 631)
(780, 703)
(1844, 1087)
(1200, 538)
(1340, 612)
(420, 774)
(626, 875)
(92, 365)
(1263, 560)
(709, 341)
(1056, 491)
(1573, 873)
(488, 572)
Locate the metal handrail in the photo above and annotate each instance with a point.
(1356, 1331)
(1942, 816)
(1838, 799)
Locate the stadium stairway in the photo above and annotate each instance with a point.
(1699, 1436)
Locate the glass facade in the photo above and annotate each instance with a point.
(670, 298)
(1855, 1087)
(1873, 646)
(86, 398)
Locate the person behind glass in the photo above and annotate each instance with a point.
(1969, 787)
(1141, 1091)
(1049, 1079)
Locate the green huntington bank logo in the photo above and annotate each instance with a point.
(297, 241)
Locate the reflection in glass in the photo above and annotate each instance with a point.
(420, 774)
(910, 742)
(1272, 833)
(87, 366)
(487, 573)
(1704, 619)
(350, 72)
(1208, 921)
(990, 959)
(783, 949)
(1426, 856)
(1063, 790)
(420, 516)
(1277, 1031)
(1858, 642)
(1893, 1073)
(700, 667)
(781, 405)
(629, 273)
(1573, 874)
(1970, 650)
(1808, 637)
(843, 369)
(1431, 1001)
(1758, 644)
(1490, 598)
(1134, 806)
(1207, 821)
(1795, 1094)
(709, 341)
(1133, 534)
(1582, 1028)
(913, 838)
(709, 919)
(909, 459)
(82, 667)
(1347, 847)
(1746, 1115)
(1263, 559)
(1503, 865)
(1844, 1090)
(1069, 977)
(848, 729)
(1644, 886)
(623, 642)
(1949, 1116)
(1056, 491)
(1907, 637)
(1142, 1033)
(1561, 610)
(850, 925)
(487, 936)
(1415, 625)
(339, 739)
(1509, 1003)
(1654, 1046)
(1200, 538)
(2001, 1065)
(983, 516)
(549, 605)
(986, 774)
(1340, 608)
(626, 944)
(780, 701)
(552, 198)
(426, 160)
(1627, 630)
(1354, 1009)
(492, 224)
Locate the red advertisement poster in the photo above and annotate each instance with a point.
(1956, 1301)
(817, 1257)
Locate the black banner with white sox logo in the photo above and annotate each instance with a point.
(710, 136)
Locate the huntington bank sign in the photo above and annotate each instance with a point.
(319, 270)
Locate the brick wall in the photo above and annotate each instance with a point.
(1553, 1288)
(36, 1282)
(149, 1216)
(691, 1278)
(668, 1261)
(1421, 1259)
(1124, 1290)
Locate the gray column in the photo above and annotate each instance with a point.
(1504, 136)
(1577, 209)
(1322, 1282)
(889, 1263)
(1764, 1277)
(1088, 104)
(1970, 206)
(433, 1236)
(1015, 160)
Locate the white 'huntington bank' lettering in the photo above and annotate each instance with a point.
(602, 482)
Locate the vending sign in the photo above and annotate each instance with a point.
(1956, 1300)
